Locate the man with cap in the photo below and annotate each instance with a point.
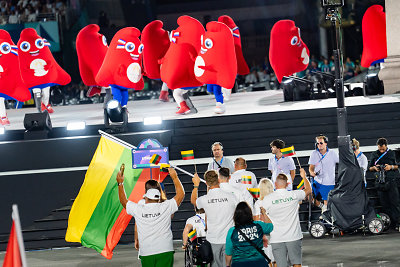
(153, 219)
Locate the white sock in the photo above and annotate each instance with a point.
(164, 87)
(3, 112)
(46, 95)
(178, 95)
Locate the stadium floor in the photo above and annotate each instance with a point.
(345, 251)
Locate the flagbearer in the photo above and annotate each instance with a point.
(280, 163)
(153, 221)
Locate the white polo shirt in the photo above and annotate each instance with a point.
(198, 222)
(153, 225)
(240, 193)
(219, 206)
(282, 207)
(236, 179)
(282, 165)
(325, 165)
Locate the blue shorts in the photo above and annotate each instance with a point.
(321, 189)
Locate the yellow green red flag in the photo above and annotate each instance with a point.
(188, 154)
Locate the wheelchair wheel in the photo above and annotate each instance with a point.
(376, 226)
(386, 220)
(189, 256)
(317, 230)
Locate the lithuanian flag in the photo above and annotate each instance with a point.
(97, 219)
(288, 151)
(188, 154)
(255, 192)
(155, 159)
(192, 235)
(301, 184)
(246, 179)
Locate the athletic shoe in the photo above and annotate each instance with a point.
(226, 93)
(184, 109)
(4, 121)
(93, 90)
(219, 108)
(49, 109)
(164, 96)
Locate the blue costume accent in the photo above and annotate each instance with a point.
(120, 94)
(216, 90)
(41, 86)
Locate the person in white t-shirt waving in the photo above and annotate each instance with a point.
(282, 207)
(219, 206)
(242, 178)
(153, 221)
(280, 164)
(322, 167)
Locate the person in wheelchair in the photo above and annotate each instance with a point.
(196, 222)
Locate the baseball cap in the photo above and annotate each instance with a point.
(153, 194)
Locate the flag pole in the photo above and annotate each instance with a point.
(18, 231)
(195, 169)
(186, 172)
(297, 158)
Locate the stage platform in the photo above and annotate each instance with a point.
(239, 104)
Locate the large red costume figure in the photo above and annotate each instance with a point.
(11, 84)
(287, 52)
(38, 67)
(122, 66)
(374, 36)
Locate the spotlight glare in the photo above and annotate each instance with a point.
(152, 120)
(76, 125)
(112, 104)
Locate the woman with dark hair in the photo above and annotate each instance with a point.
(239, 251)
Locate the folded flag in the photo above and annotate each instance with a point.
(246, 179)
(301, 184)
(188, 154)
(192, 235)
(288, 151)
(97, 219)
(15, 253)
(155, 159)
(255, 192)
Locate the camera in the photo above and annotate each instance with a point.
(381, 168)
(332, 3)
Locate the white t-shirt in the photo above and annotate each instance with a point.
(363, 162)
(198, 222)
(237, 179)
(240, 193)
(219, 207)
(282, 165)
(325, 165)
(257, 208)
(153, 225)
(282, 207)
(224, 162)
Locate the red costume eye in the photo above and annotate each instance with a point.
(104, 39)
(25, 46)
(129, 47)
(208, 43)
(5, 48)
(140, 49)
(39, 43)
(294, 40)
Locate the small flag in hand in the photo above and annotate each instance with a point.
(192, 235)
(155, 159)
(246, 179)
(188, 154)
(288, 151)
(164, 167)
(255, 192)
(301, 185)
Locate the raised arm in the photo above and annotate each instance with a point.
(307, 185)
(180, 192)
(121, 191)
(196, 183)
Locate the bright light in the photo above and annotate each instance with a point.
(288, 81)
(152, 120)
(2, 130)
(112, 104)
(76, 125)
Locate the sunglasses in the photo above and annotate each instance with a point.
(320, 143)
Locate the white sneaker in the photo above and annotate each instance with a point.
(226, 93)
(219, 108)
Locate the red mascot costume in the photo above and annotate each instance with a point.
(38, 67)
(287, 52)
(374, 36)
(11, 84)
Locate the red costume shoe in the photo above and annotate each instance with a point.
(164, 96)
(184, 108)
(5, 121)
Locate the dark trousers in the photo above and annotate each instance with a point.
(389, 200)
